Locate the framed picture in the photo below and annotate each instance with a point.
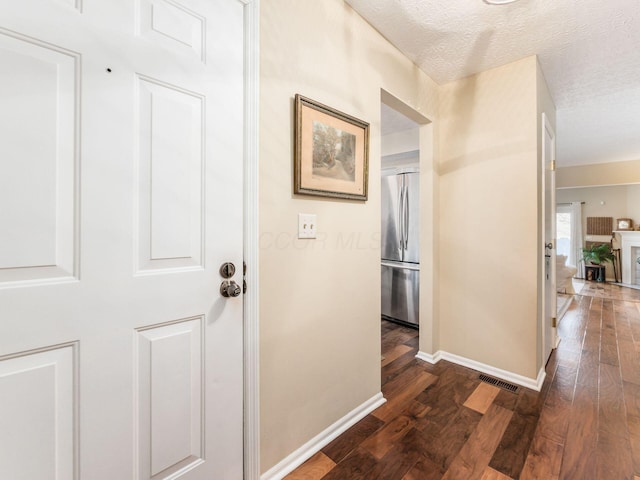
(331, 157)
(624, 224)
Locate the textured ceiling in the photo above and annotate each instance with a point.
(589, 52)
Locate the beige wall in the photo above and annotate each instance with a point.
(489, 217)
(598, 174)
(616, 201)
(614, 183)
(319, 299)
(633, 203)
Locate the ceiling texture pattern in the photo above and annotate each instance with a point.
(589, 51)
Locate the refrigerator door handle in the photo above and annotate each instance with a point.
(401, 219)
(405, 207)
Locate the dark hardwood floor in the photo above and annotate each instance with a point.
(441, 422)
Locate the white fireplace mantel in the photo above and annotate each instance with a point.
(628, 240)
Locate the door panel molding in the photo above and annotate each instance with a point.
(169, 188)
(172, 25)
(40, 194)
(170, 398)
(39, 406)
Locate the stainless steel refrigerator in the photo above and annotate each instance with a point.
(401, 247)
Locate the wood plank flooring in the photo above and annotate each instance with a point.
(441, 422)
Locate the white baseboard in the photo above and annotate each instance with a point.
(313, 446)
(533, 384)
(429, 358)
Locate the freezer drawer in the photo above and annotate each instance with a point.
(401, 293)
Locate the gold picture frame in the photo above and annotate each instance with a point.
(331, 152)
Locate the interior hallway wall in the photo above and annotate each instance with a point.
(488, 139)
(319, 299)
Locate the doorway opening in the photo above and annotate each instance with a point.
(400, 220)
(408, 237)
(400, 239)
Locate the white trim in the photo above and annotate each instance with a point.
(533, 384)
(429, 358)
(306, 451)
(251, 235)
(542, 375)
(628, 241)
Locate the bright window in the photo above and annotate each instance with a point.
(563, 232)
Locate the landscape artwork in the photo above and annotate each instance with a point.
(331, 154)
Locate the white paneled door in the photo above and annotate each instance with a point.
(121, 151)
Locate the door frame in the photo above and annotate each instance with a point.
(547, 164)
(251, 339)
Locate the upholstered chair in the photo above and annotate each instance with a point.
(564, 273)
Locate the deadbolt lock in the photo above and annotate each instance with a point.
(227, 270)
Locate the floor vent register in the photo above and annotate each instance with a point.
(498, 383)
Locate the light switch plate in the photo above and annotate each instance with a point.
(307, 225)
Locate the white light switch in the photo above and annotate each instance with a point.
(307, 225)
